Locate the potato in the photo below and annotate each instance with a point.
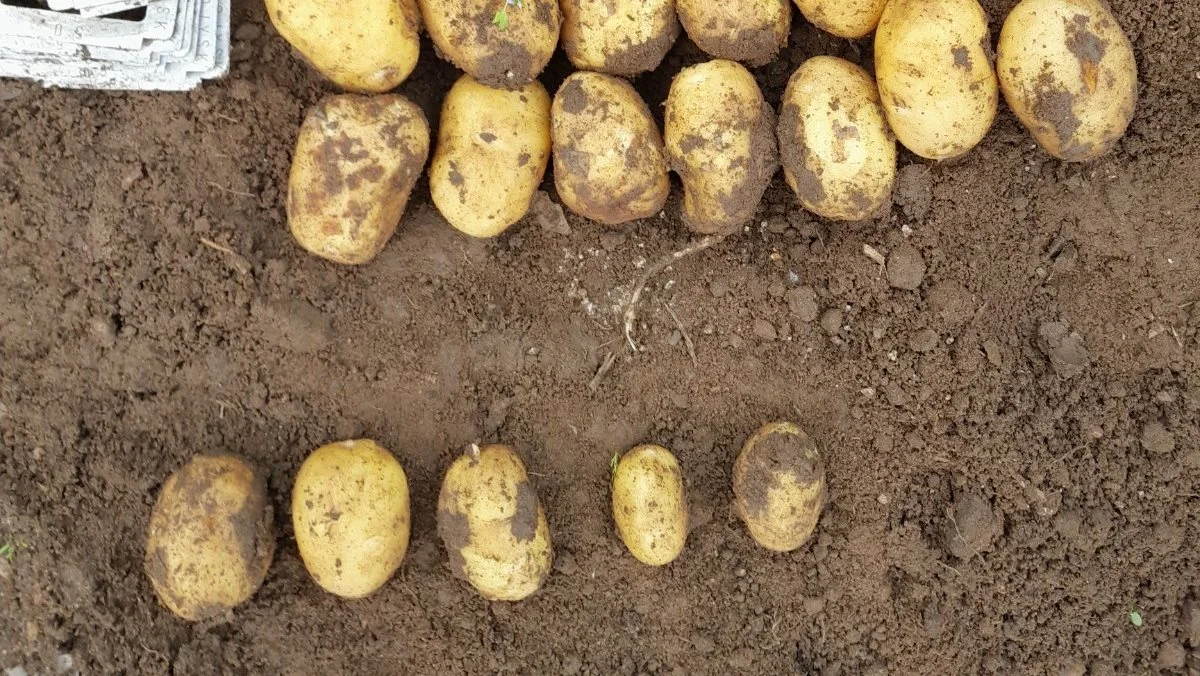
(933, 63)
(356, 161)
(751, 31)
(720, 138)
(500, 44)
(649, 506)
(837, 154)
(1067, 71)
(609, 161)
(492, 151)
(779, 486)
(351, 517)
(844, 18)
(618, 37)
(361, 45)
(211, 537)
(493, 526)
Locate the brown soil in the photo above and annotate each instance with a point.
(1040, 387)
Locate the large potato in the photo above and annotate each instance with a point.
(649, 506)
(211, 537)
(837, 154)
(751, 31)
(501, 44)
(619, 37)
(779, 486)
(844, 18)
(356, 161)
(493, 526)
(609, 161)
(351, 517)
(720, 139)
(1067, 70)
(361, 45)
(933, 63)
(492, 151)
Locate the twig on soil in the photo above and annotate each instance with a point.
(231, 191)
(239, 261)
(873, 253)
(687, 340)
(605, 367)
(631, 309)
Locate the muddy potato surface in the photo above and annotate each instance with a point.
(843, 18)
(649, 504)
(618, 37)
(779, 486)
(750, 31)
(497, 43)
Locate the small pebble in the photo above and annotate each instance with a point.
(905, 267)
(831, 321)
(1157, 439)
(765, 330)
(923, 340)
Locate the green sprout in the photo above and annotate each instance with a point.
(612, 464)
(1136, 618)
(500, 21)
(8, 551)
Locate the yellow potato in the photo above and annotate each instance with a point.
(501, 45)
(837, 154)
(844, 18)
(351, 516)
(492, 151)
(779, 486)
(211, 537)
(493, 526)
(751, 31)
(933, 63)
(1067, 71)
(356, 161)
(720, 139)
(609, 161)
(361, 45)
(619, 37)
(649, 506)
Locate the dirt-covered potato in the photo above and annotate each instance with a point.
(609, 161)
(779, 486)
(933, 63)
(750, 31)
(501, 44)
(844, 18)
(619, 37)
(720, 139)
(351, 517)
(361, 45)
(493, 147)
(211, 537)
(1067, 71)
(493, 526)
(837, 153)
(649, 505)
(356, 161)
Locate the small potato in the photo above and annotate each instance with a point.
(361, 45)
(351, 516)
(1067, 71)
(720, 139)
(493, 526)
(844, 18)
(618, 37)
(933, 63)
(501, 45)
(649, 506)
(356, 161)
(493, 147)
(837, 154)
(779, 486)
(750, 31)
(211, 537)
(609, 161)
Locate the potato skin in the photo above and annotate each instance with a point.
(350, 513)
(618, 37)
(750, 31)
(649, 505)
(779, 486)
(465, 34)
(493, 526)
(492, 151)
(720, 139)
(356, 161)
(1068, 72)
(838, 156)
(844, 18)
(609, 161)
(933, 64)
(211, 537)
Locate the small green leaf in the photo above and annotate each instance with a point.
(8, 551)
(612, 464)
(1136, 618)
(501, 19)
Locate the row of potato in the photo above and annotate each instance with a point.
(211, 538)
